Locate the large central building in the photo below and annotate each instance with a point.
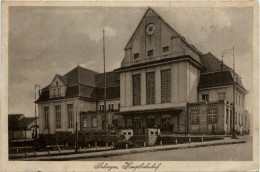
(163, 82)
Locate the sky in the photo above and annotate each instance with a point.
(44, 41)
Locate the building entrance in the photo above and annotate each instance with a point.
(137, 125)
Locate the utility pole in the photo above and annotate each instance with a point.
(234, 98)
(105, 94)
(35, 92)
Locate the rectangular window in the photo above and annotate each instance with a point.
(100, 107)
(118, 106)
(136, 55)
(46, 117)
(151, 121)
(58, 91)
(58, 116)
(115, 121)
(166, 86)
(222, 96)
(54, 92)
(165, 49)
(150, 53)
(70, 116)
(136, 81)
(205, 97)
(94, 121)
(239, 100)
(195, 118)
(227, 115)
(85, 122)
(150, 88)
(212, 115)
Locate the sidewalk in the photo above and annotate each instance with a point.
(133, 150)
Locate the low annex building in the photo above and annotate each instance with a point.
(163, 82)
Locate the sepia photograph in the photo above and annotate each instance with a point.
(130, 87)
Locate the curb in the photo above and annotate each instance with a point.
(126, 151)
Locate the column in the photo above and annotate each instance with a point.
(157, 85)
(143, 87)
(174, 81)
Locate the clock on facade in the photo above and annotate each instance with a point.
(150, 28)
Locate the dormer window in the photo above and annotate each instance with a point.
(165, 49)
(136, 55)
(150, 53)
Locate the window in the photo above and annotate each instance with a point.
(227, 116)
(150, 53)
(212, 115)
(57, 83)
(151, 121)
(136, 79)
(54, 92)
(194, 112)
(100, 107)
(58, 91)
(118, 106)
(115, 121)
(58, 116)
(239, 100)
(236, 98)
(46, 117)
(165, 49)
(166, 86)
(166, 123)
(85, 122)
(222, 96)
(111, 106)
(136, 55)
(150, 88)
(70, 116)
(205, 97)
(94, 122)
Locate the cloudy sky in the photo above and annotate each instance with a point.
(44, 41)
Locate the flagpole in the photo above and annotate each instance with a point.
(105, 113)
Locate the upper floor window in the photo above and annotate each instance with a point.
(165, 49)
(57, 83)
(150, 53)
(58, 91)
(150, 88)
(54, 92)
(166, 85)
(136, 81)
(118, 106)
(46, 117)
(58, 116)
(111, 106)
(222, 96)
(70, 116)
(205, 97)
(136, 55)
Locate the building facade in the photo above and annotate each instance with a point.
(163, 82)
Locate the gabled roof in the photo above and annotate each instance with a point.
(144, 16)
(13, 118)
(85, 83)
(25, 122)
(64, 79)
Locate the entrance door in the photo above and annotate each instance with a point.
(137, 127)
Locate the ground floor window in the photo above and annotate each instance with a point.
(151, 121)
(94, 121)
(70, 116)
(58, 116)
(115, 121)
(85, 122)
(166, 123)
(46, 117)
(212, 115)
(194, 112)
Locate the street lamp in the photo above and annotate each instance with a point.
(231, 51)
